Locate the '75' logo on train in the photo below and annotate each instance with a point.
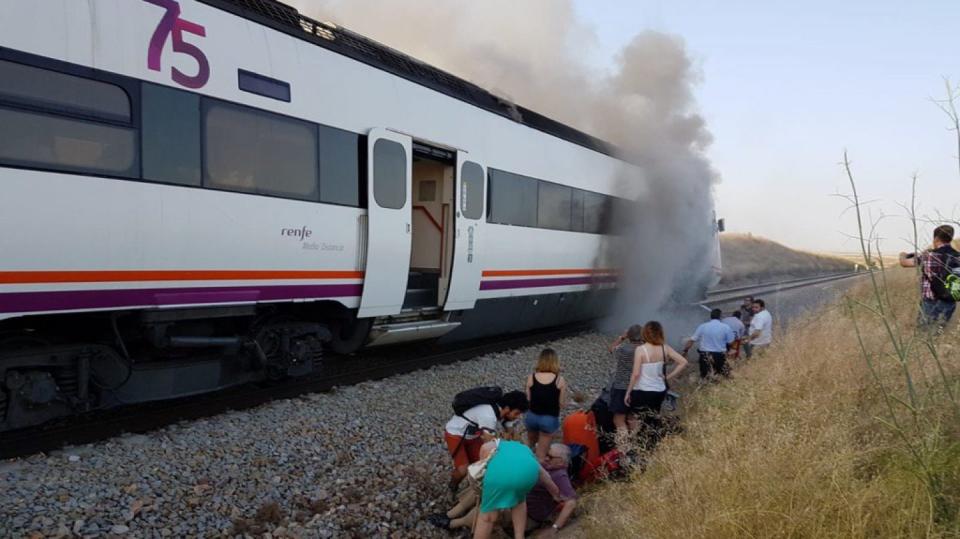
(172, 26)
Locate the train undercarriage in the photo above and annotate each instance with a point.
(56, 366)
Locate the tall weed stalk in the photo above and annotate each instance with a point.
(910, 407)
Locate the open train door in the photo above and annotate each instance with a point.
(469, 219)
(389, 160)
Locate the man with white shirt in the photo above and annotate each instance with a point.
(761, 328)
(466, 433)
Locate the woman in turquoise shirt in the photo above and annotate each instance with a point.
(511, 473)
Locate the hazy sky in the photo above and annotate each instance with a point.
(787, 86)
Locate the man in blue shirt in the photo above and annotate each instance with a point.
(714, 339)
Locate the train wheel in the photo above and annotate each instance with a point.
(30, 391)
(288, 347)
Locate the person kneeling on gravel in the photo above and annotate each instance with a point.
(466, 432)
(514, 481)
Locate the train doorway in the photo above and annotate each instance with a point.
(431, 219)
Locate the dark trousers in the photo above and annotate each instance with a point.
(717, 361)
(935, 312)
(646, 405)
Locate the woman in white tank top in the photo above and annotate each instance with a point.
(648, 382)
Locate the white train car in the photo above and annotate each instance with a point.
(199, 193)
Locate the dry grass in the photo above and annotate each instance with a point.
(798, 444)
(751, 258)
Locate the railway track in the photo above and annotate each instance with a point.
(337, 371)
(726, 295)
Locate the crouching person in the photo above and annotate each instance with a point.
(510, 475)
(467, 431)
(542, 507)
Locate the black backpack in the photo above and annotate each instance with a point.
(947, 263)
(469, 398)
(477, 396)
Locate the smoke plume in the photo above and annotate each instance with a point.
(534, 53)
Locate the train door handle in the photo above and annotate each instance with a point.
(408, 228)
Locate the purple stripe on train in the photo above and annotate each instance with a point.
(536, 283)
(21, 302)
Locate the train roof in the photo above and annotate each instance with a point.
(287, 19)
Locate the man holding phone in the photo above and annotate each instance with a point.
(936, 265)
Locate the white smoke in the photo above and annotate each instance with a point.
(535, 53)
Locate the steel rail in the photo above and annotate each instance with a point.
(719, 297)
(747, 287)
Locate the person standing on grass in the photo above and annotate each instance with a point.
(623, 355)
(746, 310)
(739, 332)
(733, 322)
(648, 380)
(761, 329)
(936, 265)
(547, 393)
(714, 338)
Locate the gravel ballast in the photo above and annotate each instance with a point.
(361, 461)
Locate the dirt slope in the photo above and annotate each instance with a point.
(748, 258)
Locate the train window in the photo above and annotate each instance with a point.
(339, 166)
(594, 208)
(553, 209)
(170, 137)
(512, 199)
(576, 210)
(390, 174)
(54, 142)
(259, 152)
(471, 185)
(27, 85)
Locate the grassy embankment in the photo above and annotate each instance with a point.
(809, 441)
(748, 258)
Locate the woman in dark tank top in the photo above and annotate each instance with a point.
(546, 390)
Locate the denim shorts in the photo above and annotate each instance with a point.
(541, 423)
